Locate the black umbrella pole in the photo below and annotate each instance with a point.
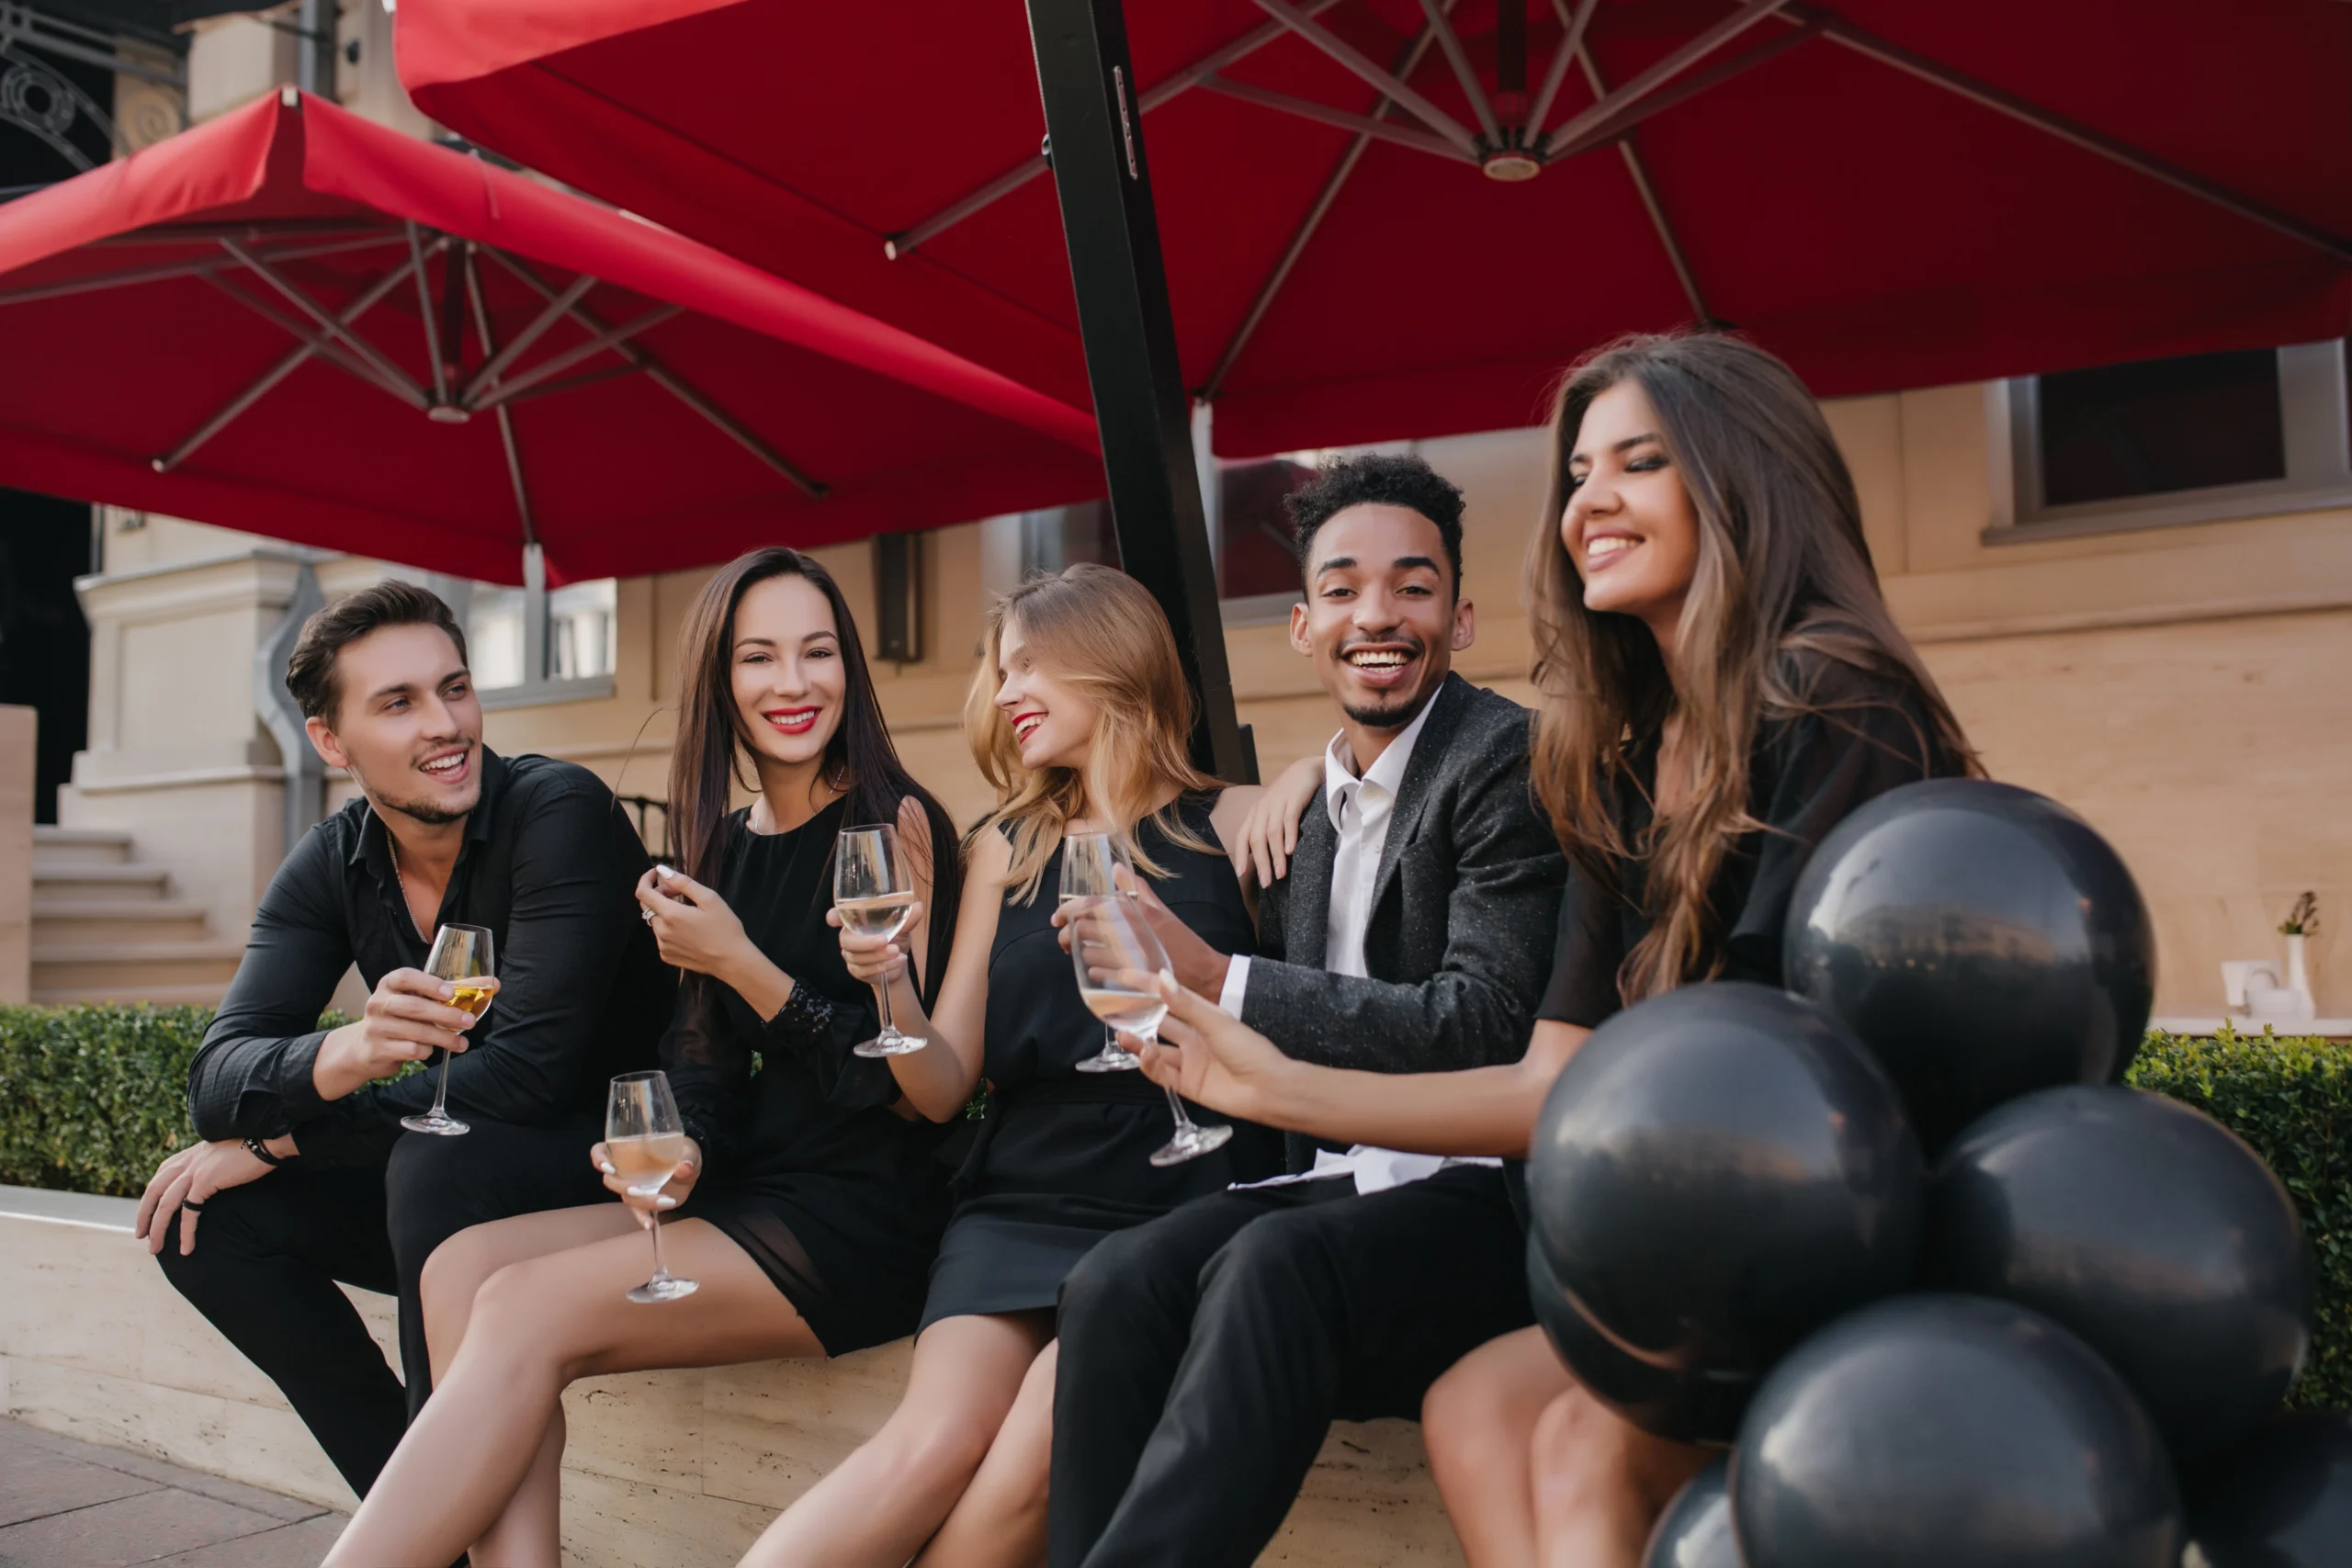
(1094, 128)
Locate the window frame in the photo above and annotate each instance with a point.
(538, 688)
(2315, 424)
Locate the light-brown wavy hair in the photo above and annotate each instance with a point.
(1783, 568)
(1100, 631)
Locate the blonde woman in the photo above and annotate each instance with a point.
(1078, 715)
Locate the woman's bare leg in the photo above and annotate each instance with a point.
(460, 1265)
(536, 1326)
(999, 1522)
(1600, 1484)
(876, 1507)
(1478, 1422)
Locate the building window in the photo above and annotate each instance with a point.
(1257, 569)
(2197, 439)
(535, 644)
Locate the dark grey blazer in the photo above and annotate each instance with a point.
(1464, 911)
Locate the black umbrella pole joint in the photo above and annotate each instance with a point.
(1094, 125)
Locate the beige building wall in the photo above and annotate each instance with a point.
(17, 736)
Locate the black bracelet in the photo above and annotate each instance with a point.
(260, 1151)
(805, 1015)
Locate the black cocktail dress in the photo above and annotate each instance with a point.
(1063, 1157)
(838, 1198)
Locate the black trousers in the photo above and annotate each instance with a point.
(269, 1255)
(1204, 1356)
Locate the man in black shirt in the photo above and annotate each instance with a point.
(305, 1177)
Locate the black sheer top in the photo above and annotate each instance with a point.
(810, 1106)
(1871, 734)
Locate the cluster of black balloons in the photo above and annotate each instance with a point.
(1899, 1239)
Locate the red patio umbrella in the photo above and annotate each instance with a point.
(1391, 217)
(294, 321)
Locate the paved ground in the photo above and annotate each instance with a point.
(70, 1505)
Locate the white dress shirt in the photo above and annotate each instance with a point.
(1361, 808)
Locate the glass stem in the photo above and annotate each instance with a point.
(1185, 1130)
(882, 994)
(660, 1267)
(441, 1090)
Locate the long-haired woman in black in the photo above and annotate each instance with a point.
(810, 1205)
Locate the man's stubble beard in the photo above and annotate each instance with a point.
(426, 813)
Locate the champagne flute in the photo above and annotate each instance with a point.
(646, 1143)
(1109, 938)
(461, 954)
(874, 889)
(1090, 865)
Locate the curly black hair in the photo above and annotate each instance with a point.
(1377, 480)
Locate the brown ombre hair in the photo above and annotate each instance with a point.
(860, 759)
(1783, 568)
(1100, 631)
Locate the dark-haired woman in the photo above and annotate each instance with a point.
(811, 1205)
(1722, 684)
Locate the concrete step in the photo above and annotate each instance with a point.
(81, 846)
(133, 971)
(81, 922)
(59, 882)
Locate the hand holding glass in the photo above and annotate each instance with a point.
(461, 954)
(874, 890)
(1110, 939)
(646, 1143)
(1090, 867)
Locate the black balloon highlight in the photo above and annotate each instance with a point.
(1981, 939)
(1695, 1530)
(2148, 1229)
(2282, 1501)
(1949, 1431)
(1689, 1407)
(1717, 1172)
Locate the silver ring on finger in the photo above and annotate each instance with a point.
(647, 915)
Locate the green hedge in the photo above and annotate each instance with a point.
(2291, 1098)
(92, 1098)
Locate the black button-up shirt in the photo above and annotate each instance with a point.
(548, 865)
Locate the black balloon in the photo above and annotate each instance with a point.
(1689, 1407)
(1981, 939)
(2282, 1501)
(2150, 1230)
(1695, 1531)
(1947, 1431)
(1717, 1172)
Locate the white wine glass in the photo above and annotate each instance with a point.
(1090, 867)
(874, 889)
(461, 955)
(645, 1144)
(1110, 939)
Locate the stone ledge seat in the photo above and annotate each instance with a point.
(680, 1468)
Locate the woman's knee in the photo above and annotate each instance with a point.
(1580, 1445)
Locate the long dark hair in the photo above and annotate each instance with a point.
(1784, 569)
(860, 758)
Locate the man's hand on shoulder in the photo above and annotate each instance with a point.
(407, 1019)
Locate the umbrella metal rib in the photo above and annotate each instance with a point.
(506, 436)
(1571, 38)
(312, 344)
(1472, 87)
(1324, 114)
(172, 271)
(1406, 64)
(600, 340)
(662, 377)
(1347, 54)
(350, 339)
(1197, 73)
(1749, 13)
(325, 344)
(1649, 193)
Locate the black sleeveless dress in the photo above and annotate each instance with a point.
(837, 1198)
(1063, 1157)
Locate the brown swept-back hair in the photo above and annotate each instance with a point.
(310, 668)
(1100, 631)
(1783, 568)
(860, 759)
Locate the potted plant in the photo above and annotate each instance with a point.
(2302, 920)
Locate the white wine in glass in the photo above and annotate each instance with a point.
(1090, 867)
(646, 1142)
(1111, 937)
(461, 954)
(874, 888)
